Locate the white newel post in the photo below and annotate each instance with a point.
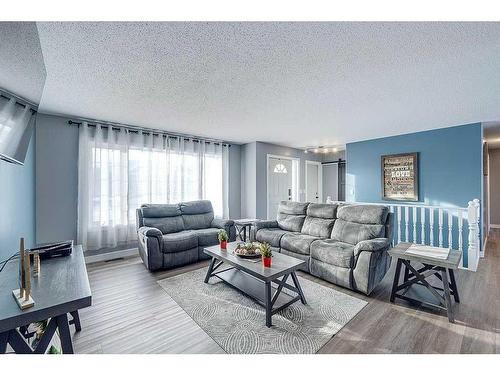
(474, 241)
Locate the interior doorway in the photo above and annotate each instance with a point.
(282, 182)
(314, 182)
(334, 180)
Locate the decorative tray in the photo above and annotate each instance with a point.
(248, 250)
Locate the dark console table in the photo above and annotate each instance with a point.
(442, 269)
(62, 288)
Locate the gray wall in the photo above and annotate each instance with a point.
(17, 200)
(494, 182)
(57, 179)
(262, 150)
(248, 180)
(334, 156)
(235, 182)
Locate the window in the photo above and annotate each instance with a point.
(280, 168)
(118, 175)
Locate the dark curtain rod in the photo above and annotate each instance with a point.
(17, 102)
(340, 161)
(147, 131)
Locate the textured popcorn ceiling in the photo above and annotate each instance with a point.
(295, 84)
(22, 71)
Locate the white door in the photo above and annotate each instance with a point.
(280, 181)
(313, 193)
(330, 181)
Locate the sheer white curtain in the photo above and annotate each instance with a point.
(120, 170)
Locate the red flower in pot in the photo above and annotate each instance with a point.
(266, 253)
(222, 235)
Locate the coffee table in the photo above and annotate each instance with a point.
(262, 284)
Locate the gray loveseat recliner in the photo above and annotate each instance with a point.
(172, 235)
(343, 243)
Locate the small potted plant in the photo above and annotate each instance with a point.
(222, 235)
(266, 253)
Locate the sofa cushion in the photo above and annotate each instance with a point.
(166, 225)
(322, 210)
(197, 214)
(315, 226)
(319, 220)
(291, 223)
(291, 215)
(297, 242)
(207, 236)
(270, 235)
(363, 213)
(179, 241)
(352, 233)
(165, 217)
(333, 252)
(160, 210)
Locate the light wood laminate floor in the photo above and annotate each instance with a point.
(130, 313)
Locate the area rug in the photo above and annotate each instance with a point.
(237, 323)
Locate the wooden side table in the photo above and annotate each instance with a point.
(241, 226)
(441, 268)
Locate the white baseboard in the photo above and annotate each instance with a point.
(495, 226)
(111, 255)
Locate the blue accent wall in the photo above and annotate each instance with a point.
(450, 165)
(17, 203)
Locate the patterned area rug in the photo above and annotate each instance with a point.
(237, 323)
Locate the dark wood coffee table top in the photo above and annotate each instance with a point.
(281, 264)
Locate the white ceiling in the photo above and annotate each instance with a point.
(22, 71)
(296, 84)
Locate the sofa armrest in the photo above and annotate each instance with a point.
(265, 224)
(377, 244)
(150, 244)
(150, 232)
(221, 223)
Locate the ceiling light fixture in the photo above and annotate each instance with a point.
(323, 149)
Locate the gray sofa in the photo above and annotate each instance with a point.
(172, 235)
(345, 244)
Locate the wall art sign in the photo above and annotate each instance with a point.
(400, 177)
